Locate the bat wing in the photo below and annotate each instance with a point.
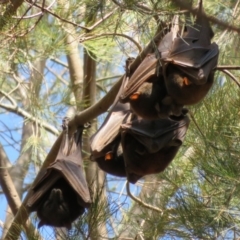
(73, 174)
(41, 187)
(109, 130)
(61, 168)
(165, 45)
(193, 51)
(149, 146)
(145, 70)
(105, 144)
(156, 134)
(61, 193)
(186, 52)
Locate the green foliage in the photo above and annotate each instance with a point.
(199, 192)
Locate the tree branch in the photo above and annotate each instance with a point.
(231, 76)
(11, 9)
(12, 196)
(21, 112)
(141, 202)
(112, 34)
(228, 67)
(213, 19)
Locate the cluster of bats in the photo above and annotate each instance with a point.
(148, 122)
(145, 127)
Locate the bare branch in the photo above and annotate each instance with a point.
(88, 29)
(36, 14)
(231, 76)
(112, 34)
(21, 112)
(141, 202)
(102, 19)
(196, 124)
(228, 67)
(11, 194)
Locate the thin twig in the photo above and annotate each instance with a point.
(112, 34)
(88, 29)
(213, 19)
(36, 14)
(60, 18)
(102, 19)
(14, 108)
(107, 78)
(231, 76)
(228, 67)
(141, 202)
(195, 122)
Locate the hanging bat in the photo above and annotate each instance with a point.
(143, 147)
(106, 147)
(180, 74)
(61, 193)
(147, 94)
(189, 60)
(149, 146)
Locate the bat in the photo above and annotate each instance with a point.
(61, 194)
(147, 94)
(150, 145)
(189, 60)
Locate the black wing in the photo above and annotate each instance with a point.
(149, 146)
(61, 194)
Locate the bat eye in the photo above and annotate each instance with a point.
(135, 96)
(108, 156)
